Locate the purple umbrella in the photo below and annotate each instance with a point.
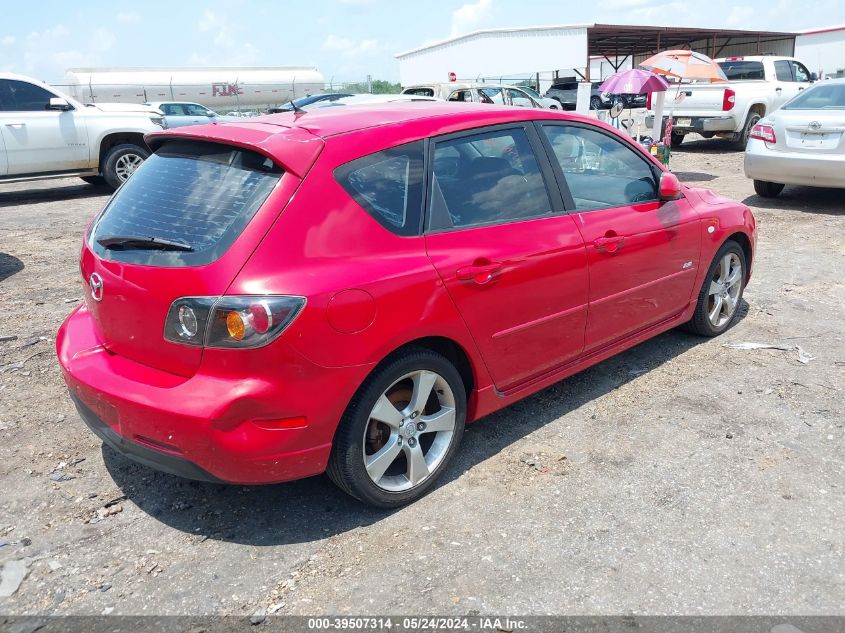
(634, 82)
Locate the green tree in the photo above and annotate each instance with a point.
(380, 87)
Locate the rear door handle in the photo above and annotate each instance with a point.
(479, 274)
(609, 244)
(15, 124)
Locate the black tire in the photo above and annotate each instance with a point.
(767, 189)
(708, 134)
(346, 466)
(97, 181)
(554, 107)
(677, 139)
(700, 323)
(595, 103)
(112, 169)
(621, 99)
(740, 141)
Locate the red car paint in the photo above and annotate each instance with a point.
(528, 303)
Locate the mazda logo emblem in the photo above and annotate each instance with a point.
(95, 282)
(815, 125)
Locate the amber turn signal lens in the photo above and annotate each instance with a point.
(235, 325)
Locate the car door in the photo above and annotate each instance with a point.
(785, 87)
(4, 164)
(197, 114)
(175, 115)
(642, 253)
(520, 99)
(36, 138)
(511, 260)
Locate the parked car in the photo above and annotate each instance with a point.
(353, 285)
(46, 134)
(306, 101)
(802, 143)
(179, 113)
(566, 94)
(627, 100)
(491, 94)
(756, 86)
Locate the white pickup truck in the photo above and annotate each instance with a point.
(46, 134)
(756, 86)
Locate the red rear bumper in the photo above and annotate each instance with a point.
(246, 417)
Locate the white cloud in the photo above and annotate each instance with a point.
(8, 40)
(128, 17)
(228, 49)
(468, 16)
(349, 47)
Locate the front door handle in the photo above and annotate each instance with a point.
(609, 243)
(480, 274)
(15, 124)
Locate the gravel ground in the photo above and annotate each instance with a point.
(680, 477)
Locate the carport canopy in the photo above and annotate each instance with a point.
(617, 42)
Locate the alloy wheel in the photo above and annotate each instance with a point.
(725, 287)
(409, 432)
(126, 165)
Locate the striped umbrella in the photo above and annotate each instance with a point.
(685, 64)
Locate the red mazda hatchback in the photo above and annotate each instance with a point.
(342, 290)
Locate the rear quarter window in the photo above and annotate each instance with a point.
(199, 195)
(388, 185)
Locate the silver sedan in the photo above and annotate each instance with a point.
(803, 143)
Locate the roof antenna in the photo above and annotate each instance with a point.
(296, 108)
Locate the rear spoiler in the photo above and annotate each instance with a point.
(293, 148)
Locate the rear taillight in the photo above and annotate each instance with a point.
(230, 322)
(648, 102)
(729, 100)
(764, 133)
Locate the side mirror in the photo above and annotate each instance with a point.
(210, 114)
(670, 186)
(57, 103)
(814, 77)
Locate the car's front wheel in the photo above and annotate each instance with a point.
(400, 430)
(721, 293)
(767, 189)
(595, 103)
(121, 161)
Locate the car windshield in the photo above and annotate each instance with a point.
(197, 195)
(819, 97)
(420, 92)
(735, 70)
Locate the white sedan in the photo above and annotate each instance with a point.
(802, 143)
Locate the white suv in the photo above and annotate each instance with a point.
(46, 134)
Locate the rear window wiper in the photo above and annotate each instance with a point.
(140, 243)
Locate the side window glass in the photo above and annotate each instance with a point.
(519, 98)
(600, 171)
(389, 186)
(492, 95)
(26, 97)
(195, 110)
(782, 71)
(800, 71)
(461, 95)
(488, 178)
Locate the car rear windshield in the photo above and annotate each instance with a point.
(185, 205)
(735, 71)
(419, 92)
(819, 97)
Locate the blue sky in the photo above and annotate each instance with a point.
(345, 39)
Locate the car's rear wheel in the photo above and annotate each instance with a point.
(721, 293)
(121, 161)
(767, 189)
(400, 430)
(741, 138)
(677, 139)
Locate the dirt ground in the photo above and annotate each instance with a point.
(681, 477)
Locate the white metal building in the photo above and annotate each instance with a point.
(823, 50)
(548, 52)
